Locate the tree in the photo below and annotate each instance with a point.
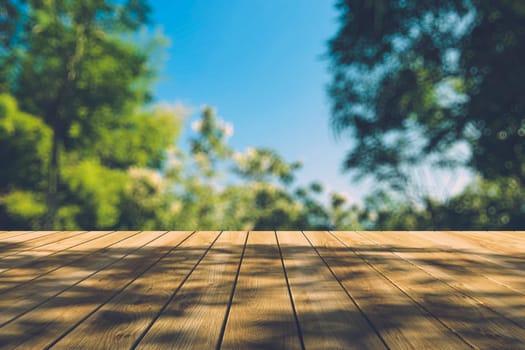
(25, 142)
(416, 81)
(484, 204)
(215, 186)
(81, 146)
(75, 71)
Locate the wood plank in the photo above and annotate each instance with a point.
(519, 235)
(38, 243)
(476, 247)
(19, 260)
(512, 264)
(467, 275)
(40, 327)
(26, 236)
(16, 277)
(514, 236)
(119, 323)
(472, 321)
(193, 319)
(416, 290)
(261, 314)
(399, 320)
(6, 234)
(328, 317)
(25, 297)
(493, 241)
(483, 246)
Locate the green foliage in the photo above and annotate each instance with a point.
(72, 66)
(25, 142)
(94, 195)
(22, 209)
(141, 141)
(433, 84)
(82, 149)
(208, 201)
(485, 204)
(76, 72)
(491, 205)
(209, 146)
(68, 64)
(145, 201)
(96, 190)
(411, 79)
(264, 164)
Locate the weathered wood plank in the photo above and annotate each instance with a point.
(469, 276)
(475, 242)
(119, 323)
(38, 242)
(351, 289)
(261, 314)
(519, 235)
(328, 317)
(19, 260)
(509, 269)
(25, 237)
(6, 234)
(12, 242)
(399, 320)
(494, 241)
(16, 277)
(193, 319)
(42, 326)
(472, 321)
(25, 297)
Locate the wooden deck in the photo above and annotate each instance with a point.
(262, 290)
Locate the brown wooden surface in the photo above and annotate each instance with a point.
(262, 290)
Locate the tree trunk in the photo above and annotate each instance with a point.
(53, 182)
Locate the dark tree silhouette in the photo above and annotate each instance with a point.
(413, 80)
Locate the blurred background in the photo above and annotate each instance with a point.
(297, 114)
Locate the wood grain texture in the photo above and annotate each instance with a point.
(37, 242)
(401, 323)
(43, 325)
(466, 273)
(117, 324)
(472, 321)
(7, 234)
(508, 268)
(24, 258)
(329, 319)
(261, 315)
(70, 259)
(25, 237)
(474, 243)
(262, 290)
(192, 319)
(492, 241)
(519, 235)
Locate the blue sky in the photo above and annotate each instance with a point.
(260, 64)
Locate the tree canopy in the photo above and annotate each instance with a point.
(428, 81)
(67, 62)
(83, 146)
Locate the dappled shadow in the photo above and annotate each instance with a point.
(10, 247)
(354, 296)
(478, 295)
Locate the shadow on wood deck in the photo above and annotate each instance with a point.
(262, 290)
